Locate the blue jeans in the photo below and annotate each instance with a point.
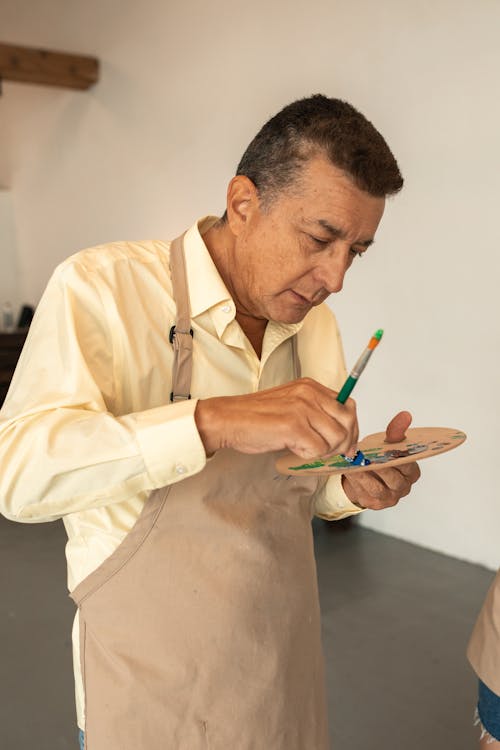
(81, 738)
(488, 708)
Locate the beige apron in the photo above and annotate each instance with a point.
(202, 630)
(484, 646)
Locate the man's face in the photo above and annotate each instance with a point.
(293, 255)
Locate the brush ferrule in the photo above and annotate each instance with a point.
(361, 363)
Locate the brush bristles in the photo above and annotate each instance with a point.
(375, 339)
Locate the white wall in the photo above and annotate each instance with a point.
(9, 271)
(184, 87)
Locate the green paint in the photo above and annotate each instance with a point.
(339, 462)
(378, 334)
(315, 465)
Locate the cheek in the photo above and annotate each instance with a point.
(272, 263)
(277, 260)
(286, 269)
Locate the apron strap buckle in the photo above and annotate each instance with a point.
(178, 397)
(174, 332)
(182, 341)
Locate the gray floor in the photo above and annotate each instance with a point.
(396, 620)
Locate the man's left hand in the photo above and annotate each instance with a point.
(384, 488)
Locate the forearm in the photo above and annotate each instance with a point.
(68, 459)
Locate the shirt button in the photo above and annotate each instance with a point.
(226, 308)
(180, 469)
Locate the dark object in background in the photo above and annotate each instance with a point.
(25, 316)
(11, 345)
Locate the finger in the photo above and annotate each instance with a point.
(337, 437)
(337, 423)
(411, 471)
(370, 492)
(395, 480)
(309, 444)
(315, 435)
(396, 429)
(371, 485)
(346, 415)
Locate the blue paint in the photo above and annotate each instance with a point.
(358, 460)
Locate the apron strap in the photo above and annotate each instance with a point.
(181, 334)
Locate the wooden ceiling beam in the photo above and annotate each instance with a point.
(46, 67)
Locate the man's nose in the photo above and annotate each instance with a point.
(331, 273)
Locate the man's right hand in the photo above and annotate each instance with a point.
(303, 417)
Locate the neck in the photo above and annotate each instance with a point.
(254, 329)
(220, 244)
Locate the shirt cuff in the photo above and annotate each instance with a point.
(331, 503)
(170, 442)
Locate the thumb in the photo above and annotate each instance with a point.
(396, 429)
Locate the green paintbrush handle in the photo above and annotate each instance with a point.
(346, 389)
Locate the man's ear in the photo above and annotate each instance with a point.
(242, 203)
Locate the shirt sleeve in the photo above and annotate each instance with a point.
(331, 503)
(62, 449)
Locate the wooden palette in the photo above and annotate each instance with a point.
(419, 443)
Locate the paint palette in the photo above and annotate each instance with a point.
(419, 443)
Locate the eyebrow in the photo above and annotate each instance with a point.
(335, 232)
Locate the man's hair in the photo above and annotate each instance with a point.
(319, 126)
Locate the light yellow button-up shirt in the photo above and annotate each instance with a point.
(87, 429)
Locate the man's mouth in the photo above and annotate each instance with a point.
(316, 298)
(301, 299)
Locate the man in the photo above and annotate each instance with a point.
(157, 387)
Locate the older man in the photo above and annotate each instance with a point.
(158, 383)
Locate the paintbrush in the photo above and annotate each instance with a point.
(353, 377)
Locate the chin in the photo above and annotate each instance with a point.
(289, 317)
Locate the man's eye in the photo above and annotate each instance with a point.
(356, 253)
(318, 241)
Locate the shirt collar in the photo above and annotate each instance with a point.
(206, 288)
